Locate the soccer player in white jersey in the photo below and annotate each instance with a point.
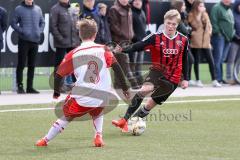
(89, 62)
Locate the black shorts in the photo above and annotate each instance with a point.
(163, 88)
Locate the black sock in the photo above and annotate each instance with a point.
(135, 103)
(142, 112)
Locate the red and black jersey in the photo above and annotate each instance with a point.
(169, 55)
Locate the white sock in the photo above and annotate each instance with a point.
(98, 124)
(57, 128)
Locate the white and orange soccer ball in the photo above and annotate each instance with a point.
(136, 126)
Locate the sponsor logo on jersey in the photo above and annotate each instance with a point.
(167, 52)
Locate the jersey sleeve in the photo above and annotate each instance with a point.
(110, 59)
(66, 66)
(145, 44)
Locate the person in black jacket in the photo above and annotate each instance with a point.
(90, 12)
(185, 29)
(188, 5)
(63, 22)
(29, 31)
(3, 27)
(104, 31)
(139, 28)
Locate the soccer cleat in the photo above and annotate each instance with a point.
(121, 123)
(41, 143)
(125, 128)
(98, 141)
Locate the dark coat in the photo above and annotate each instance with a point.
(120, 21)
(63, 26)
(28, 22)
(104, 31)
(92, 14)
(139, 24)
(3, 24)
(236, 14)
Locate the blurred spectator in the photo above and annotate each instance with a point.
(121, 27)
(223, 32)
(139, 28)
(189, 4)
(29, 23)
(63, 22)
(104, 31)
(185, 29)
(200, 40)
(147, 10)
(234, 53)
(89, 11)
(75, 9)
(3, 27)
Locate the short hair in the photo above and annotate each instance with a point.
(101, 5)
(84, 1)
(87, 28)
(173, 13)
(177, 4)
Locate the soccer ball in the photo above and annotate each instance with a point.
(136, 126)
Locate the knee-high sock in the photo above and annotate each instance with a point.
(57, 128)
(98, 124)
(142, 112)
(135, 103)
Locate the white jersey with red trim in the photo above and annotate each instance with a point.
(89, 62)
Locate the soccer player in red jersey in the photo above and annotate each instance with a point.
(169, 60)
(89, 62)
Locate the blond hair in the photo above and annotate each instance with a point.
(87, 28)
(173, 13)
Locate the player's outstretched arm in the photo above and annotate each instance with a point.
(65, 68)
(146, 43)
(57, 85)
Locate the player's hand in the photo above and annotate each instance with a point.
(127, 94)
(184, 84)
(117, 49)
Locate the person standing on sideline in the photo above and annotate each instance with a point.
(63, 25)
(200, 40)
(104, 30)
(3, 27)
(189, 4)
(223, 31)
(234, 53)
(121, 27)
(139, 28)
(185, 29)
(29, 23)
(90, 12)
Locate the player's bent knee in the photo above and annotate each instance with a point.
(146, 89)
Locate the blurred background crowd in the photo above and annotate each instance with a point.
(213, 35)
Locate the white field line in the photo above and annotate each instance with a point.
(122, 104)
